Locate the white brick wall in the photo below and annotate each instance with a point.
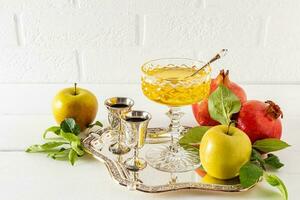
(22, 64)
(78, 28)
(7, 30)
(106, 41)
(200, 30)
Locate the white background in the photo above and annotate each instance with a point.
(106, 41)
(46, 45)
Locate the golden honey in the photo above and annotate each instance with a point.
(173, 86)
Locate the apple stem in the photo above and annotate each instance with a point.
(231, 122)
(75, 87)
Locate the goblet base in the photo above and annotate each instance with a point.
(135, 164)
(119, 148)
(172, 158)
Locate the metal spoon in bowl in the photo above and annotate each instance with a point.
(221, 54)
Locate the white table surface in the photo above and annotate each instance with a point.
(34, 176)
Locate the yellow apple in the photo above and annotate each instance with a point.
(76, 103)
(223, 151)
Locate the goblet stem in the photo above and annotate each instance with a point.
(133, 182)
(175, 128)
(118, 147)
(135, 154)
(120, 129)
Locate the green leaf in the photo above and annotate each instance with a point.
(273, 161)
(51, 145)
(97, 123)
(36, 148)
(52, 129)
(250, 174)
(72, 156)
(46, 147)
(275, 181)
(76, 146)
(269, 145)
(69, 136)
(69, 126)
(193, 136)
(222, 104)
(256, 157)
(61, 154)
(76, 129)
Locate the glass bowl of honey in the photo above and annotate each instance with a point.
(174, 83)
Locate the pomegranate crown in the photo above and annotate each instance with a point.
(223, 77)
(273, 109)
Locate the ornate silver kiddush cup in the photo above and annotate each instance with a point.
(135, 125)
(116, 107)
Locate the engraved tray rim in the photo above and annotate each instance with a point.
(117, 174)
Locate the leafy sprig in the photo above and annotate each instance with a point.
(66, 143)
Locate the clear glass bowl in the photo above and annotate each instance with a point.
(170, 82)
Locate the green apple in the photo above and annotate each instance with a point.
(77, 103)
(223, 151)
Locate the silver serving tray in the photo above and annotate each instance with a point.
(151, 180)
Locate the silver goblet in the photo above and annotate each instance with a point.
(116, 107)
(135, 125)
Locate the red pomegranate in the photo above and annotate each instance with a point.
(223, 78)
(201, 114)
(260, 120)
(200, 110)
